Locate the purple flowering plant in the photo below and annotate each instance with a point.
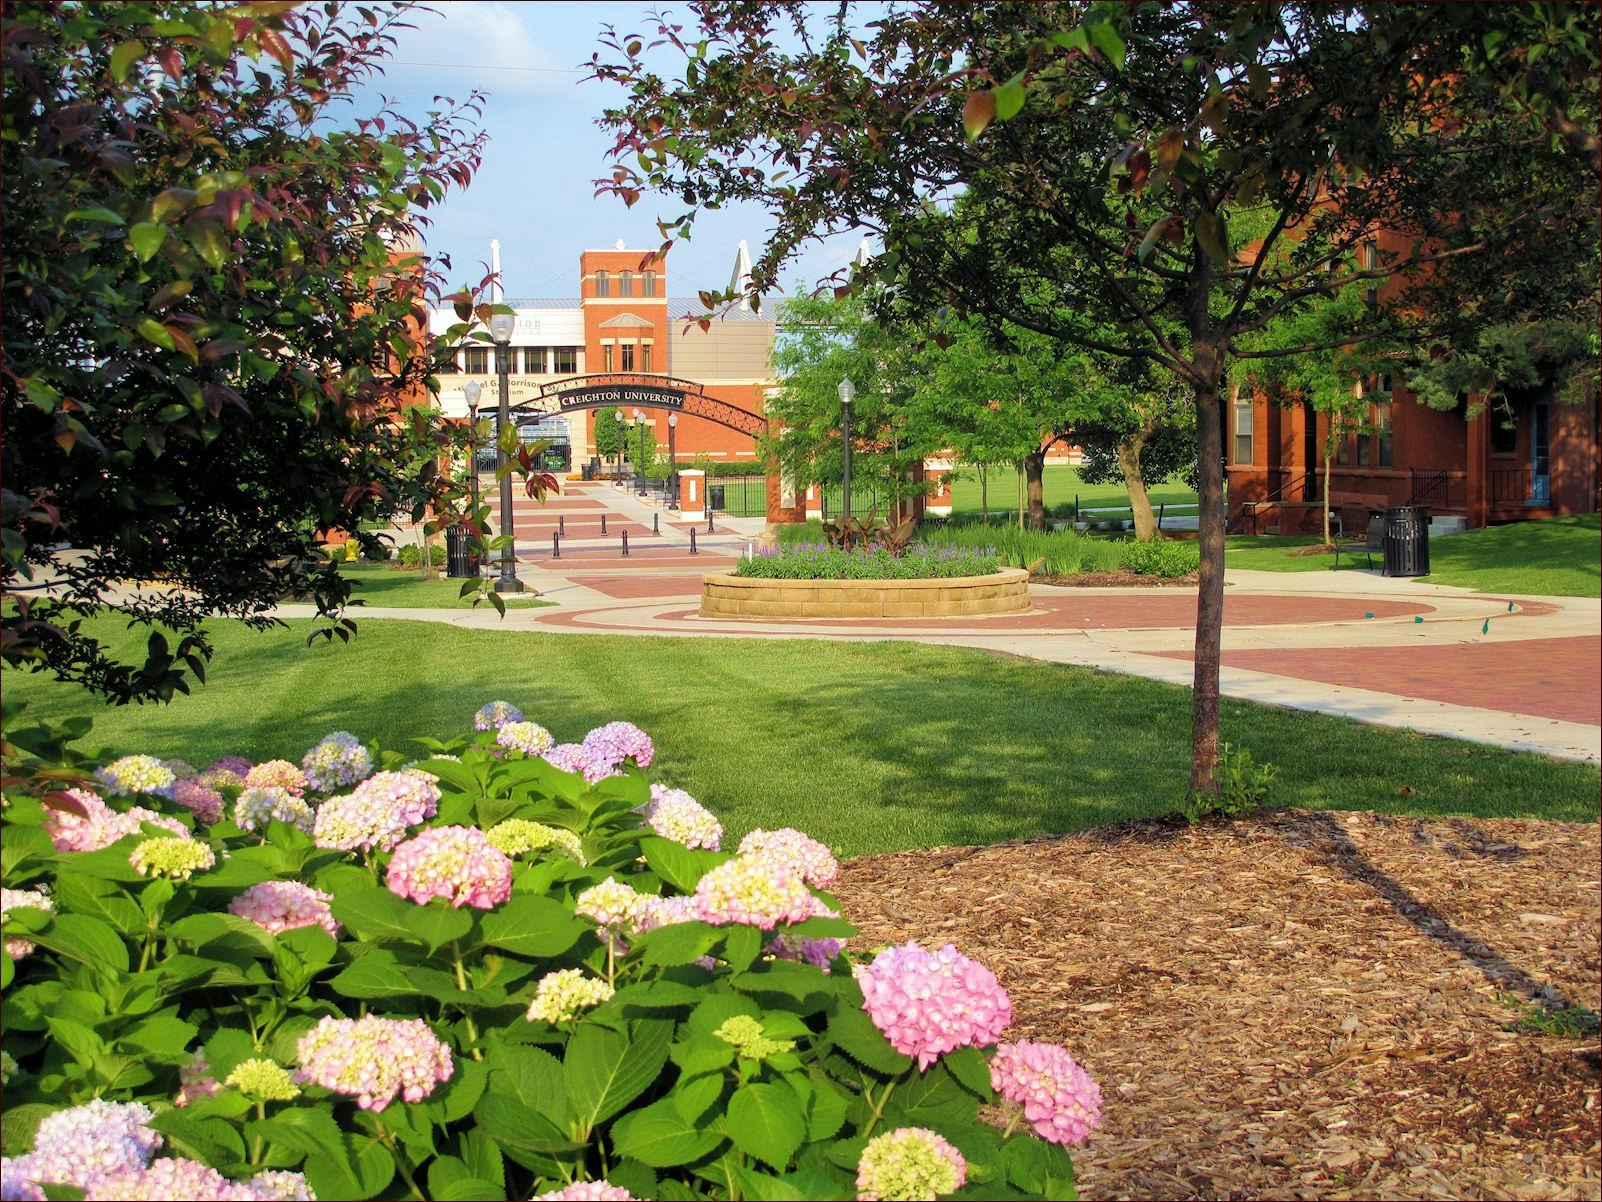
(494, 973)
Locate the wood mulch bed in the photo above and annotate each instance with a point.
(1117, 580)
(1297, 1005)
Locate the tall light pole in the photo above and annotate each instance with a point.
(673, 460)
(501, 326)
(848, 392)
(473, 390)
(639, 469)
(621, 424)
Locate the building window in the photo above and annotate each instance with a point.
(625, 283)
(647, 283)
(628, 356)
(645, 357)
(447, 366)
(476, 360)
(1383, 433)
(606, 357)
(1370, 262)
(603, 284)
(566, 359)
(1245, 425)
(534, 360)
(1504, 431)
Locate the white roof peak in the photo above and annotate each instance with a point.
(740, 281)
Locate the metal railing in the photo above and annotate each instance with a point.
(738, 496)
(1511, 485)
(1430, 486)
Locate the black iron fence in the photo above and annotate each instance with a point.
(866, 496)
(738, 496)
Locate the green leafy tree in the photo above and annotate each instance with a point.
(608, 431)
(1104, 153)
(215, 320)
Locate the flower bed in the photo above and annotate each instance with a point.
(819, 561)
(732, 596)
(514, 967)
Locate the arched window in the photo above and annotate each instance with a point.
(603, 284)
(647, 283)
(625, 283)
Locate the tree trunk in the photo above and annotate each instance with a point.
(1035, 475)
(984, 492)
(1329, 453)
(1019, 470)
(1210, 593)
(1129, 451)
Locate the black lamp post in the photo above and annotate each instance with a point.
(673, 460)
(639, 467)
(622, 427)
(848, 392)
(501, 326)
(472, 390)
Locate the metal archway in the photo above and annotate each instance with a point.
(652, 392)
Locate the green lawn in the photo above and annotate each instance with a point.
(404, 588)
(1559, 557)
(870, 746)
(1062, 484)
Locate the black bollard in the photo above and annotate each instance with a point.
(625, 544)
(692, 541)
(709, 519)
(603, 523)
(561, 524)
(656, 526)
(556, 547)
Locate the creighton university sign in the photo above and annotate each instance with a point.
(650, 392)
(587, 392)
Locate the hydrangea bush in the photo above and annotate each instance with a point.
(513, 969)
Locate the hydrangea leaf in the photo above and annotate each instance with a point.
(765, 1121)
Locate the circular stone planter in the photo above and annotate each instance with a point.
(1004, 592)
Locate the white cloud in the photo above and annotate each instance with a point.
(468, 44)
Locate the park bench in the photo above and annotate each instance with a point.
(1373, 540)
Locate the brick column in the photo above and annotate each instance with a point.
(814, 502)
(937, 502)
(692, 494)
(1478, 467)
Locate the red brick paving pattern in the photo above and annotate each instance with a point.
(1549, 678)
(628, 587)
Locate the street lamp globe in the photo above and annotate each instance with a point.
(673, 420)
(848, 391)
(471, 390)
(501, 326)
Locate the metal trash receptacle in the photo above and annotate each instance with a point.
(1407, 541)
(460, 561)
(716, 495)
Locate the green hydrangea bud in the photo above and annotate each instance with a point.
(263, 1080)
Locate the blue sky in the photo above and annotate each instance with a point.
(535, 189)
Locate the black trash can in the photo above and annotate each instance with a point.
(587, 471)
(1407, 541)
(715, 496)
(460, 561)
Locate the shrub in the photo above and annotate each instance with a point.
(1160, 558)
(410, 556)
(483, 976)
(1243, 785)
(809, 561)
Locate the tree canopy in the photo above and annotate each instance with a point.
(215, 325)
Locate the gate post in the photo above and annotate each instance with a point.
(692, 494)
(814, 502)
(937, 472)
(783, 505)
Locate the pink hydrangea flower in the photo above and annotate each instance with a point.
(23, 899)
(909, 1162)
(674, 814)
(280, 1185)
(170, 1180)
(277, 774)
(237, 765)
(278, 906)
(496, 714)
(929, 1003)
(337, 761)
(454, 862)
(1058, 1097)
(587, 1191)
(820, 953)
(83, 1143)
(803, 855)
(200, 799)
(372, 1059)
(572, 757)
(378, 813)
(753, 892)
(258, 805)
(137, 774)
(618, 741)
(195, 1081)
(528, 737)
(103, 826)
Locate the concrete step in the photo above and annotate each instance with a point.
(1447, 524)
